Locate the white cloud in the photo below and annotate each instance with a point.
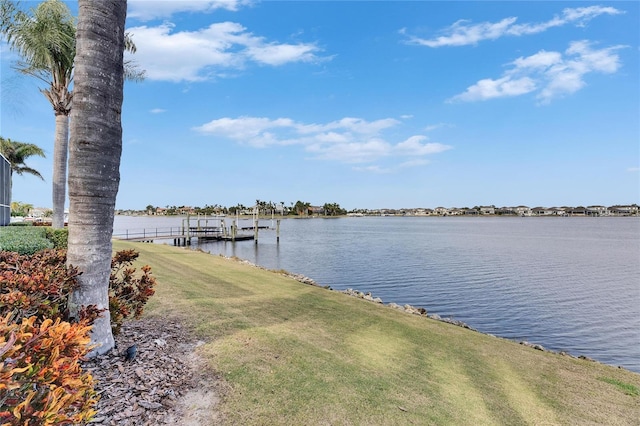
(388, 170)
(414, 146)
(551, 74)
(633, 169)
(145, 10)
(463, 33)
(348, 140)
(157, 111)
(433, 127)
(499, 88)
(209, 52)
(363, 151)
(373, 169)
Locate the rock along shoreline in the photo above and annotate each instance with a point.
(405, 308)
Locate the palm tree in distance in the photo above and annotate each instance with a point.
(44, 37)
(17, 153)
(45, 41)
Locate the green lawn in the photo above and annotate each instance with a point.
(294, 354)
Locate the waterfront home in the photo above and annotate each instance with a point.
(506, 211)
(441, 211)
(487, 210)
(543, 211)
(578, 211)
(623, 210)
(597, 210)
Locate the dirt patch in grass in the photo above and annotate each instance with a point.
(167, 382)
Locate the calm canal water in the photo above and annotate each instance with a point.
(569, 284)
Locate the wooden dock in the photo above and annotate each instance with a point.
(185, 234)
(182, 236)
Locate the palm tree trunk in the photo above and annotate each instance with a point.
(94, 161)
(60, 149)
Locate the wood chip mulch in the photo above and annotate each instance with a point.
(165, 383)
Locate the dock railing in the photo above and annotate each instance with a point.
(157, 233)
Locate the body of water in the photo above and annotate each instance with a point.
(569, 284)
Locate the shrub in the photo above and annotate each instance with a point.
(127, 293)
(37, 285)
(41, 381)
(59, 237)
(21, 224)
(24, 240)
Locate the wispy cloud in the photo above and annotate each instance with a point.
(550, 74)
(212, 52)
(146, 10)
(633, 169)
(348, 140)
(463, 32)
(417, 162)
(157, 111)
(432, 127)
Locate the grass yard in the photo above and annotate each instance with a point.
(294, 354)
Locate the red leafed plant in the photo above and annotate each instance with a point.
(41, 380)
(128, 291)
(36, 285)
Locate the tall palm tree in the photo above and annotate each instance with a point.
(44, 37)
(94, 162)
(17, 153)
(45, 40)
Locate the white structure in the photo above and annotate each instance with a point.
(5, 191)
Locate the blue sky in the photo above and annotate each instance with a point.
(367, 104)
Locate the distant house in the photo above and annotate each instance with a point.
(559, 211)
(441, 211)
(596, 210)
(5, 191)
(506, 211)
(183, 210)
(578, 211)
(543, 211)
(623, 210)
(316, 210)
(39, 212)
(523, 211)
(487, 210)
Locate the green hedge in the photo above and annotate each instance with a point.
(59, 237)
(21, 224)
(24, 240)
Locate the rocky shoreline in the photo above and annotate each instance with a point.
(405, 308)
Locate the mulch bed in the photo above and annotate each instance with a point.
(165, 383)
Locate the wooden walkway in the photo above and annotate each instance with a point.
(183, 236)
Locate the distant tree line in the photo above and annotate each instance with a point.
(263, 208)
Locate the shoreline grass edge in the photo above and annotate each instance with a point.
(295, 354)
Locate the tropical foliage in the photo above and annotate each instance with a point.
(45, 39)
(24, 239)
(20, 209)
(17, 154)
(128, 293)
(41, 380)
